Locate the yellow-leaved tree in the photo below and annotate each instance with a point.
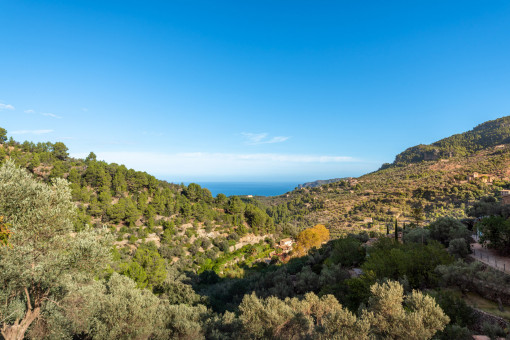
(310, 238)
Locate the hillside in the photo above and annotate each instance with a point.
(319, 182)
(189, 228)
(188, 265)
(424, 183)
(483, 136)
(413, 189)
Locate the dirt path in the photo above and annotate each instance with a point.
(490, 258)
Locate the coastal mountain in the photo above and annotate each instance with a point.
(425, 182)
(320, 182)
(185, 264)
(486, 135)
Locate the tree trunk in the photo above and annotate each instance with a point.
(500, 305)
(18, 329)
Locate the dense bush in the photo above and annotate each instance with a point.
(415, 262)
(496, 232)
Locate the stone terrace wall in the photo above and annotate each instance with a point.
(483, 317)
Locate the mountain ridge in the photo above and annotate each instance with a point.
(437, 186)
(372, 199)
(488, 134)
(320, 182)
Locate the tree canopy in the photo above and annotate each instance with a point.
(3, 135)
(311, 237)
(390, 315)
(42, 257)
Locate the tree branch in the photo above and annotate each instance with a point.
(55, 302)
(29, 304)
(1, 321)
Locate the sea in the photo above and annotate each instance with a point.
(249, 188)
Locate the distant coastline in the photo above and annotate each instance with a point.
(320, 182)
(249, 188)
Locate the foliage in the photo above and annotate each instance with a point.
(417, 235)
(118, 197)
(347, 252)
(299, 298)
(496, 233)
(311, 317)
(136, 206)
(445, 229)
(152, 264)
(310, 238)
(389, 315)
(485, 135)
(3, 135)
(453, 306)
(5, 233)
(42, 257)
(60, 151)
(488, 206)
(415, 262)
(494, 331)
(475, 276)
(438, 187)
(459, 248)
(455, 332)
(117, 310)
(393, 316)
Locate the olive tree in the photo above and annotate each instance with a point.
(394, 316)
(43, 257)
(445, 229)
(292, 318)
(390, 315)
(121, 311)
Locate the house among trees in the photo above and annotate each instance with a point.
(505, 197)
(368, 220)
(392, 236)
(485, 178)
(472, 177)
(286, 244)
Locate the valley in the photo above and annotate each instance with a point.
(218, 257)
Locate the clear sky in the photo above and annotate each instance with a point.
(251, 90)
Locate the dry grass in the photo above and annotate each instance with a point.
(476, 301)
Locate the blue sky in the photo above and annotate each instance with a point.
(251, 90)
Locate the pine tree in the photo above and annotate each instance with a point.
(119, 182)
(35, 162)
(60, 151)
(3, 135)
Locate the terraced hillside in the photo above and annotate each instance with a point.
(184, 225)
(424, 182)
(477, 164)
